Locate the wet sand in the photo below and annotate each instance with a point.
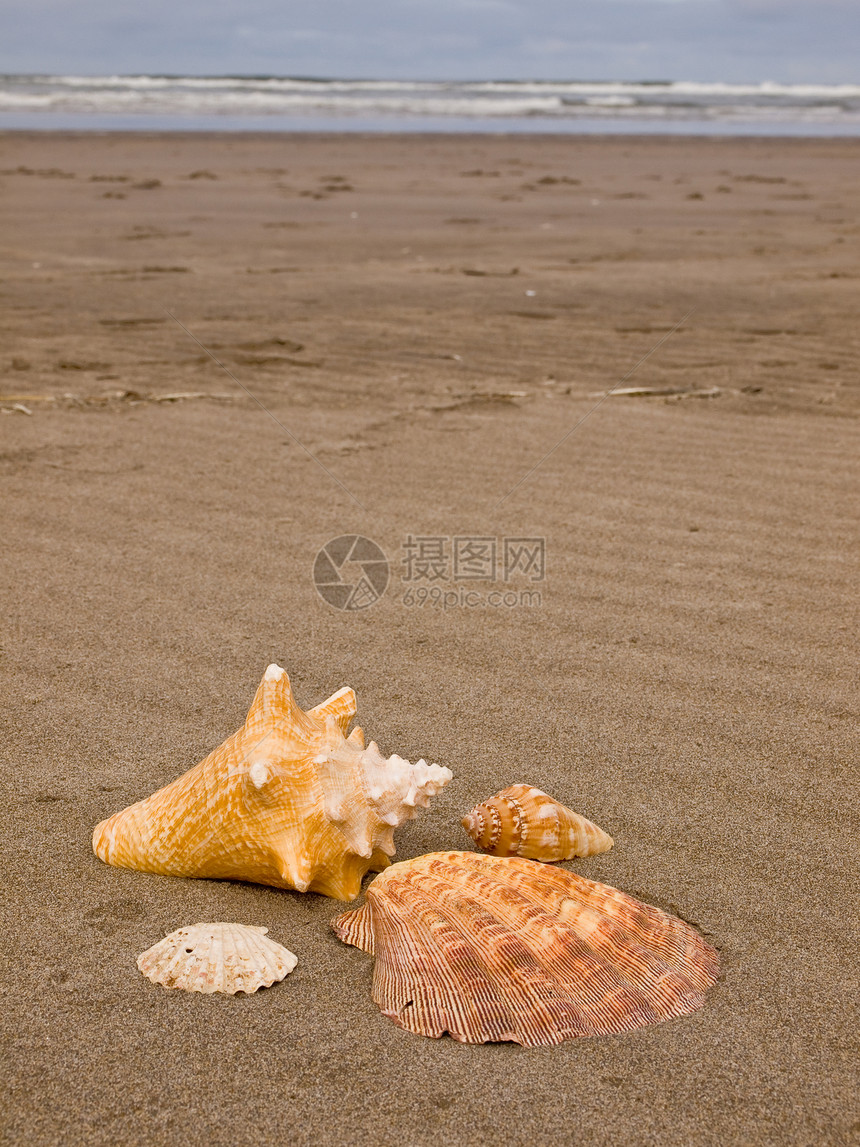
(422, 320)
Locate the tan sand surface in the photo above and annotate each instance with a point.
(423, 319)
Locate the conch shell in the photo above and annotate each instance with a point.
(287, 801)
(524, 821)
(489, 948)
(208, 958)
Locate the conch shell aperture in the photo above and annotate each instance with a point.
(488, 948)
(289, 800)
(525, 821)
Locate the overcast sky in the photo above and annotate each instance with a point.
(794, 41)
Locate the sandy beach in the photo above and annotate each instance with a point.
(219, 353)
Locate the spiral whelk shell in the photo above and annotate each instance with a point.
(488, 949)
(209, 958)
(289, 800)
(527, 822)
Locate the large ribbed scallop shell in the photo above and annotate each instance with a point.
(525, 821)
(208, 958)
(488, 948)
(287, 801)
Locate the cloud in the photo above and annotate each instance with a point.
(732, 40)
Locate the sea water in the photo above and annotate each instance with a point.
(283, 103)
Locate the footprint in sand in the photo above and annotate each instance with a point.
(336, 183)
(142, 232)
(287, 345)
(41, 173)
(130, 322)
(72, 364)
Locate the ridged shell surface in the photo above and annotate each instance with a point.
(525, 821)
(208, 958)
(288, 800)
(489, 948)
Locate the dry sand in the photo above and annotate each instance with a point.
(687, 680)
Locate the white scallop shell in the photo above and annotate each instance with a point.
(210, 958)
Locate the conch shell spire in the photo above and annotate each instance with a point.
(341, 706)
(289, 800)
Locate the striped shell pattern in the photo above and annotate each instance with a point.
(491, 949)
(525, 821)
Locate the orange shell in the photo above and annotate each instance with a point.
(288, 800)
(525, 821)
(488, 948)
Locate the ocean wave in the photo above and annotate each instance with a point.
(263, 103)
(610, 101)
(286, 83)
(308, 96)
(656, 88)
